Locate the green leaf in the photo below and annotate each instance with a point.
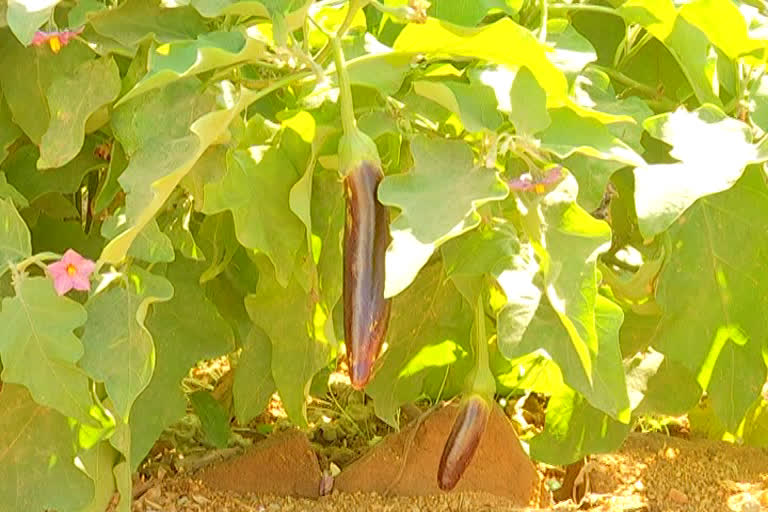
(724, 26)
(178, 60)
(39, 349)
(97, 83)
(685, 42)
(213, 418)
(442, 169)
(430, 326)
(573, 428)
(294, 11)
(98, 462)
(26, 16)
(570, 132)
(718, 331)
(118, 348)
(149, 180)
(8, 191)
(572, 50)
(384, 72)
(256, 189)
(37, 469)
(713, 151)
(150, 245)
(9, 130)
(186, 329)
(528, 102)
(15, 241)
(523, 299)
(253, 384)
(33, 183)
(475, 104)
(328, 214)
(135, 21)
(28, 72)
(469, 14)
(299, 350)
(491, 43)
(55, 235)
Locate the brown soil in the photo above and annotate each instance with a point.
(651, 473)
(405, 464)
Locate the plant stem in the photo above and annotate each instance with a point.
(645, 90)
(348, 122)
(544, 18)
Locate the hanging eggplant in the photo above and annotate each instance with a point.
(366, 237)
(474, 411)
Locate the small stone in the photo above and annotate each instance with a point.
(763, 498)
(153, 494)
(200, 500)
(750, 505)
(639, 485)
(677, 496)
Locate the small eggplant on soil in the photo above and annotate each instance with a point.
(366, 237)
(462, 443)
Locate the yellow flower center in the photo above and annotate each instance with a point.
(71, 269)
(55, 44)
(539, 188)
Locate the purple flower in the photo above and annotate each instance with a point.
(56, 39)
(526, 183)
(71, 271)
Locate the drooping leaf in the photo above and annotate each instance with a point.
(97, 83)
(15, 241)
(8, 191)
(37, 466)
(118, 348)
(26, 16)
(22, 172)
(528, 103)
(27, 75)
(717, 263)
(713, 151)
(151, 245)
(299, 349)
(442, 169)
(136, 20)
(253, 384)
(572, 51)
(573, 428)
(185, 330)
(177, 60)
(9, 130)
(256, 190)
(475, 104)
(431, 323)
(213, 418)
(149, 180)
(570, 132)
(39, 349)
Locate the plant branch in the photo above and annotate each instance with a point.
(585, 8)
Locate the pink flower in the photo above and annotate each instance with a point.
(56, 39)
(526, 183)
(71, 271)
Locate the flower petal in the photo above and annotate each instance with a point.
(80, 282)
(58, 269)
(62, 285)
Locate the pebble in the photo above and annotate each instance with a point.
(677, 496)
(750, 505)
